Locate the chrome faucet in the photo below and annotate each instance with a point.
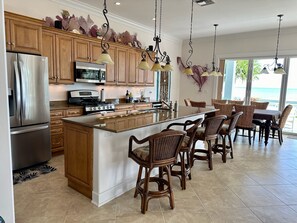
(169, 106)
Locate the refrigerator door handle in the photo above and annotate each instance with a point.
(17, 91)
(12, 132)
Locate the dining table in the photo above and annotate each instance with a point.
(268, 116)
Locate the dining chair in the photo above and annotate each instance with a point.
(218, 101)
(235, 102)
(208, 132)
(224, 109)
(259, 122)
(280, 124)
(184, 171)
(201, 104)
(225, 132)
(158, 150)
(245, 122)
(187, 102)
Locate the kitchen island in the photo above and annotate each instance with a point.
(96, 148)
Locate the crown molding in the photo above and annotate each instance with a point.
(112, 17)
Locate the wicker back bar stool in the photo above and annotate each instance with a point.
(159, 150)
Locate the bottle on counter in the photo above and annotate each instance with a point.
(130, 97)
(175, 106)
(102, 96)
(127, 97)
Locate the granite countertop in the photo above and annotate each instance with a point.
(154, 116)
(54, 105)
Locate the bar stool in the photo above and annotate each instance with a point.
(158, 150)
(190, 127)
(209, 131)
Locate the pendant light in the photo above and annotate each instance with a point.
(105, 58)
(215, 70)
(153, 52)
(188, 70)
(278, 67)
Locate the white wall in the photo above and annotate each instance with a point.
(241, 45)
(6, 192)
(144, 35)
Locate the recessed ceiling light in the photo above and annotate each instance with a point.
(117, 3)
(154, 19)
(204, 2)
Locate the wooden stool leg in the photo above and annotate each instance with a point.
(138, 180)
(231, 146)
(209, 155)
(224, 149)
(144, 202)
(183, 170)
(189, 165)
(171, 196)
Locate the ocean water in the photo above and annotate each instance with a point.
(266, 94)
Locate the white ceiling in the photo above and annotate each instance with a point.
(233, 16)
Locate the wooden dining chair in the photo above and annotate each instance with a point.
(259, 122)
(158, 150)
(245, 121)
(235, 102)
(224, 109)
(187, 102)
(278, 125)
(218, 101)
(201, 104)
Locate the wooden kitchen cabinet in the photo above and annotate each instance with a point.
(57, 46)
(64, 60)
(132, 68)
(23, 34)
(57, 130)
(86, 51)
(122, 66)
(111, 71)
(49, 50)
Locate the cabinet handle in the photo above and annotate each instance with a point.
(8, 43)
(12, 44)
(57, 77)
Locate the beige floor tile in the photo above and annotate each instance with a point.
(235, 178)
(266, 177)
(148, 217)
(178, 216)
(289, 175)
(236, 215)
(219, 197)
(256, 196)
(31, 219)
(286, 193)
(275, 214)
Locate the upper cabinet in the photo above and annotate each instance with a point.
(58, 47)
(23, 34)
(111, 71)
(122, 65)
(86, 51)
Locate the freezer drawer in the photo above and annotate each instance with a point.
(30, 145)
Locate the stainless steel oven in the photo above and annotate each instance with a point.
(90, 72)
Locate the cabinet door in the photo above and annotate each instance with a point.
(111, 71)
(64, 59)
(95, 49)
(7, 34)
(122, 62)
(25, 37)
(141, 74)
(132, 77)
(49, 51)
(81, 50)
(150, 75)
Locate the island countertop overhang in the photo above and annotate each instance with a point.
(128, 120)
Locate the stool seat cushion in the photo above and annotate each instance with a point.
(142, 152)
(200, 133)
(185, 141)
(224, 129)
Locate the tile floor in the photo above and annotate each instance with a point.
(258, 185)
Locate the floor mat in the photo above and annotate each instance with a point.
(31, 173)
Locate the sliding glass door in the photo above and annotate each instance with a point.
(243, 81)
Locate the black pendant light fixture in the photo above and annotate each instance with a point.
(278, 67)
(188, 70)
(215, 70)
(105, 58)
(154, 53)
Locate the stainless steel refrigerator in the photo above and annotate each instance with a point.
(29, 109)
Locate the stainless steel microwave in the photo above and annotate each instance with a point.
(90, 72)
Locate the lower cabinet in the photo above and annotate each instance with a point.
(57, 131)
